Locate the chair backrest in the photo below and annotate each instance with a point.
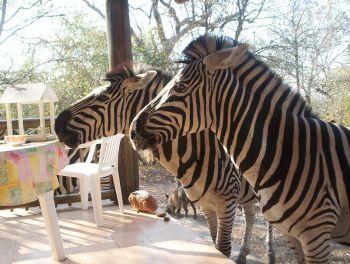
(92, 148)
(109, 151)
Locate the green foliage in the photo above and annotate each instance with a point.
(83, 62)
(79, 62)
(336, 107)
(26, 74)
(146, 50)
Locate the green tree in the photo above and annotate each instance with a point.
(336, 106)
(82, 63)
(307, 41)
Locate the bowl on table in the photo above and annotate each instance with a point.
(15, 140)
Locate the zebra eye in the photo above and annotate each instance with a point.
(102, 98)
(180, 86)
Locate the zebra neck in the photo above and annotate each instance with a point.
(262, 116)
(140, 99)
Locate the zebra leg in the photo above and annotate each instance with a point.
(295, 244)
(270, 252)
(212, 222)
(194, 210)
(249, 215)
(184, 206)
(317, 247)
(225, 224)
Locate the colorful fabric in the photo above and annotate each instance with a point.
(29, 170)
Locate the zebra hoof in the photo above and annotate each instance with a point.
(271, 258)
(241, 259)
(242, 256)
(226, 252)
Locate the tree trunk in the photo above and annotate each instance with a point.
(119, 48)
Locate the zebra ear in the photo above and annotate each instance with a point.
(140, 80)
(225, 58)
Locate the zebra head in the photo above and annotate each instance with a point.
(194, 99)
(109, 110)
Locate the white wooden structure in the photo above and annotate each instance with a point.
(29, 93)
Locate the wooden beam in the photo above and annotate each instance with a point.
(20, 119)
(119, 48)
(52, 117)
(27, 123)
(118, 27)
(8, 119)
(42, 118)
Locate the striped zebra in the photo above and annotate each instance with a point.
(210, 178)
(198, 161)
(296, 163)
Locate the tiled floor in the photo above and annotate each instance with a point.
(129, 238)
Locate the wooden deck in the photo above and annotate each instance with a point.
(129, 238)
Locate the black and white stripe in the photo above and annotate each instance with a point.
(199, 161)
(298, 164)
(209, 177)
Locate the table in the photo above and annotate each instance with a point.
(28, 172)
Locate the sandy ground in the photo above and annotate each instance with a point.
(157, 181)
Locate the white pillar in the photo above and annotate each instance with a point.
(52, 117)
(42, 118)
(20, 119)
(8, 119)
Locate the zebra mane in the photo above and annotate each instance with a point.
(130, 69)
(205, 45)
(209, 44)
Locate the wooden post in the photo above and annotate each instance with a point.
(42, 118)
(52, 117)
(8, 119)
(20, 119)
(119, 48)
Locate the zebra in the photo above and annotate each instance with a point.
(215, 188)
(297, 164)
(196, 169)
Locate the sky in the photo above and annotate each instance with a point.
(13, 51)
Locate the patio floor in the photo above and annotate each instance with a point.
(129, 238)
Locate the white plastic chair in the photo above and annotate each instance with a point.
(89, 173)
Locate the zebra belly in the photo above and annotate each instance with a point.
(295, 224)
(211, 201)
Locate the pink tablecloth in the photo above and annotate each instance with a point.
(29, 170)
